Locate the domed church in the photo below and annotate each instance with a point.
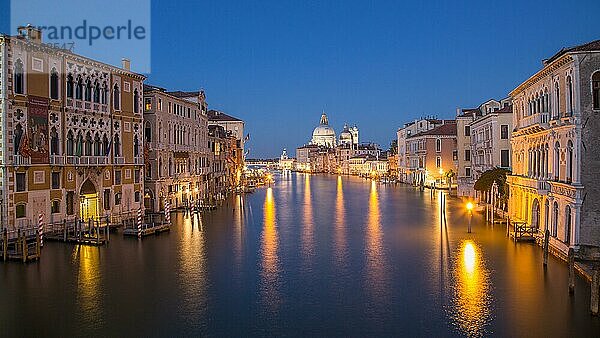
(324, 135)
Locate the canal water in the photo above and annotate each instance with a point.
(313, 255)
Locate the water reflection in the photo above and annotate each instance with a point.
(87, 258)
(340, 224)
(307, 231)
(472, 300)
(270, 259)
(374, 246)
(192, 274)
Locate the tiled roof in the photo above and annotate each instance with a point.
(182, 94)
(215, 115)
(447, 129)
(586, 47)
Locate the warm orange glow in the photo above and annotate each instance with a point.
(88, 279)
(472, 296)
(374, 248)
(340, 223)
(441, 171)
(270, 259)
(469, 206)
(307, 231)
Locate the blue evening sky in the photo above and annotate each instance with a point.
(278, 64)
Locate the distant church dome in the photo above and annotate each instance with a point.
(345, 136)
(323, 135)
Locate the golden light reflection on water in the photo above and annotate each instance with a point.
(192, 271)
(374, 249)
(87, 258)
(270, 259)
(472, 299)
(307, 231)
(340, 224)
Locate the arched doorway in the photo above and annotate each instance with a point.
(88, 201)
(149, 200)
(535, 214)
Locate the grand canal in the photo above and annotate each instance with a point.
(313, 255)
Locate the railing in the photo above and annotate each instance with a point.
(539, 118)
(57, 160)
(541, 185)
(138, 160)
(21, 160)
(87, 160)
(119, 160)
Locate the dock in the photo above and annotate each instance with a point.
(522, 232)
(153, 224)
(21, 245)
(93, 232)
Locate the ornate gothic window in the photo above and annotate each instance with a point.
(104, 93)
(18, 134)
(557, 161)
(556, 100)
(19, 77)
(96, 92)
(569, 161)
(70, 86)
(79, 89)
(117, 150)
(88, 90)
(97, 145)
(136, 101)
(54, 143)
(136, 146)
(54, 84)
(88, 144)
(70, 144)
(116, 98)
(105, 145)
(79, 145)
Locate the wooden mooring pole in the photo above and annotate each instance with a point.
(571, 270)
(546, 246)
(595, 289)
(5, 244)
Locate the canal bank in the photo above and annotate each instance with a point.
(313, 255)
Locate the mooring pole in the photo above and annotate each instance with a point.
(595, 289)
(546, 245)
(571, 270)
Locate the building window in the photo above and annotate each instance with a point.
(19, 78)
(18, 134)
(555, 219)
(55, 207)
(468, 171)
(97, 91)
(118, 198)
(117, 176)
(70, 143)
(147, 104)
(438, 145)
(557, 161)
(569, 96)
(55, 180)
(20, 210)
(117, 146)
(467, 130)
(504, 158)
(70, 86)
(70, 202)
(438, 162)
(568, 225)
(468, 155)
(79, 89)
(106, 199)
(556, 100)
(136, 196)
(54, 84)
(569, 161)
(596, 89)
(20, 178)
(116, 98)
(88, 90)
(136, 101)
(136, 146)
(504, 131)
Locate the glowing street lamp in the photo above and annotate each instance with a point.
(470, 210)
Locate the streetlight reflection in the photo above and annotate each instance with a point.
(340, 225)
(270, 259)
(374, 247)
(472, 299)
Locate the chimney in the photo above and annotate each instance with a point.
(31, 33)
(126, 63)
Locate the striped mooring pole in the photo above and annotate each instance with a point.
(41, 228)
(139, 222)
(167, 212)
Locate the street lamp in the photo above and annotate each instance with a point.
(470, 211)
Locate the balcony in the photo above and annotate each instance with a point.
(87, 160)
(21, 160)
(57, 160)
(539, 119)
(138, 160)
(119, 160)
(541, 186)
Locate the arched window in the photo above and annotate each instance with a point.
(136, 101)
(438, 162)
(105, 145)
(160, 168)
(19, 78)
(97, 91)
(569, 97)
(54, 84)
(97, 146)
(18, 135)
(70, 143)
(79, 145)
(136, 146)
(116, 98)
(555, 219)
(104, 93)
(438, 145)
(70, 85)
(568, 225)
(170, 166)
(556, 100)
(556, 161)
(148, 133)
(88, 144)
(54, 144)
(546, 215)
(79, 89)
(569, 161)
(88, 90)
(596, 90)
(117, 150)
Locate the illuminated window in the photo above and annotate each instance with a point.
(596, 90)
(20, 210)
(55, 207)
(147, 104)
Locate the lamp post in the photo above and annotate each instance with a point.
(470, 211)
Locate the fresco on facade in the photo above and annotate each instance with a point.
(37, 130)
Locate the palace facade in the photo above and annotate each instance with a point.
(555, 146)
(71, 134)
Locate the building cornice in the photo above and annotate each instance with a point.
(548, 69)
